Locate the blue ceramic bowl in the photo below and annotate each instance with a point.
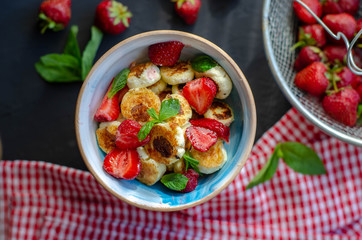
(158, 197)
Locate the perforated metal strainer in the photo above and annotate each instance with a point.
(280, 33)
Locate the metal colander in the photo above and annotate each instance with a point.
(280, 33)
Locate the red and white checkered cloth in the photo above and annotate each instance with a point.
(39, 200)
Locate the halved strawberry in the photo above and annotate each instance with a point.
(165, 53)
(109, 109)
(221, 130)
(200, 94)
(201, 138)
(126, 135)
(192, 175)
(124, 164)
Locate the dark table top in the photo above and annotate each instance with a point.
(37, 118)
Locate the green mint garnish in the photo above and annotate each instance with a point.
(175, 181)
(191, 162)
(119, 82)
(297, 156)
(203, 63)
(169, 108)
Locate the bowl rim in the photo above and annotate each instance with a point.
(250, 139)
(287, 92)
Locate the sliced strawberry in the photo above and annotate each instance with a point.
(200, 94)
(126, 135)
(109, 109)
(122, 163)
(201, 138)
(192, 175)
(221, 130)
(165, 53)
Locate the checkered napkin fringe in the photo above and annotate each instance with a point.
(39, 200)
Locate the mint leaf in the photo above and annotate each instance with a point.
(301, 158)
(119, 82)
(146, 129)
(90, 51)
(60, 60)
(71, 46)
(57, 73)
(175, 181)
(152, 112)
(169, 108)
(203, 63)
(192, 162)
(267, 171)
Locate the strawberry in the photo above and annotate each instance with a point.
(345, 77)
(192, 175)
(220, 129)
(311, 35)
(126, 135)
(304, 15)
(342, 105)
(342, 22)
(335, 53)
(109, 109)
(165, 53)
(54, 14)
(187, 10)
(201, 138)
(112, 17)
(340, 6)
(200, 93)
(308, 55)
(312, 79)
(359, 90)
(124, 164)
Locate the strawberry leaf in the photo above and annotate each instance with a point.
(119, 82)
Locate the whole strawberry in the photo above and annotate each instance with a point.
(112, 17)
(342, 106)
(304, 15)
(307, 56)
(345, 77)
(342, 22)
(311, 35)
(312, 79)
(54, 14)
(188, 10)
(340, 6)
(335, 53)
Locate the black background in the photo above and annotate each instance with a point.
(37, 118)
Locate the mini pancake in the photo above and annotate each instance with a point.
(179, 73)
(106, 135)
(220, 111)
(143, 75)
(184, 114)
(151, 171)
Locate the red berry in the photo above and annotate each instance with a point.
(312, 79)
(165, 53)
(312, 35)
(335, 53)
(109, 109)
(200, 94)
(304, 15)
(331, 7)
(307, 56)
(359, 90)
(349, 6)
(126, 135)
(342, 22)
(201, 138)
(342, 106)
(188, 10)
(112, 17)
(340, 6)
(192, 175)
(124, 164)
(220, 129)
(345, 76)
(54, 14)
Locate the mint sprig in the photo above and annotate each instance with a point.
(203, 63)
(169, 108)
(297, 156)
(119, 82)
(175, 181)
(71, 65)
(191, 162)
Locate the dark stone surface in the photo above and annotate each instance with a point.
(37, 118)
